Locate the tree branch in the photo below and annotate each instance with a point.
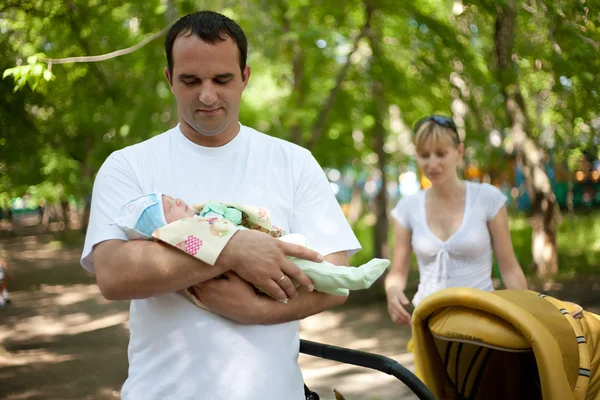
(108, 56)
(297, 72)
(321, 119)
(588, 40)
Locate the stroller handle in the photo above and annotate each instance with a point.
(368, 360)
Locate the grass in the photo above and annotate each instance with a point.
(578, 243)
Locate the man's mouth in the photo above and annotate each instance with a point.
(211, 111)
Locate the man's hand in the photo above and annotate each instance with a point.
(235, 299)
(261, 260)
(232, 297)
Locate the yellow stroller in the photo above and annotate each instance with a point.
(506, 345)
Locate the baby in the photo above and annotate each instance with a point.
(204, 229)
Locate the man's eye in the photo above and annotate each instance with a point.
(190, 82)
(222, 81)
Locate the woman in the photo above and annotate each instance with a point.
(453, 227)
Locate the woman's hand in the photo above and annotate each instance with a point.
(397, 301)
(395, 281)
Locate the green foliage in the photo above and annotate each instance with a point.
(60, 121)
(577, 241)
(32, 74)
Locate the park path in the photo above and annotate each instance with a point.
(60, 339)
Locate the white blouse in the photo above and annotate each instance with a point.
(465, 258)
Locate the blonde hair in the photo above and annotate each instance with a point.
(434, 133)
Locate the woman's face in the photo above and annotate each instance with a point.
(438, 159)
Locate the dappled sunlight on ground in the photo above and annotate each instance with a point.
(28, 395)
(30, 357)
(366, 328)
(60, 339)
(357, 385)
(72, 324)
(59, 310)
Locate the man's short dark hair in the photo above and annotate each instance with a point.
(211, 27)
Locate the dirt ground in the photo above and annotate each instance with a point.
(60, 339)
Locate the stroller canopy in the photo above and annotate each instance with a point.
(508, 344)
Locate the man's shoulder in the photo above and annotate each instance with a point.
(265, 141)
(143, 149)
(154, 142)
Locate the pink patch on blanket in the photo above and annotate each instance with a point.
(192, 245)
(262, 213)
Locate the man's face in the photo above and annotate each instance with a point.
(207, 84)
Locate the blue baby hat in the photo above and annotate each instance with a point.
(142, 216)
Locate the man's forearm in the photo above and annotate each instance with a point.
(302, 306)
(141, 269)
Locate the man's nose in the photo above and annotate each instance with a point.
(208, 95)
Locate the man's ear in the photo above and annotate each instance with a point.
(461, 150)
(246, 75)
(168, 76)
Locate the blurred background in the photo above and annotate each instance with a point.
(345, 79)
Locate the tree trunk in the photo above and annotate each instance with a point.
(530, 157)
(66, 215)
(380, 112)
(46, 217)
(88, 182)
(299, 88)
(570, 198)
(356, 205)
(381, 223)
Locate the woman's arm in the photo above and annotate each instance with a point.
(511, 271)
(395, 281)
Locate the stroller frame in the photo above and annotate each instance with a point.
(368, 360)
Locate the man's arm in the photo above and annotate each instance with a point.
(141, 269)
(237, 300)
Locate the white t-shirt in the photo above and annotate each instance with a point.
(465, 258)
(176, 350)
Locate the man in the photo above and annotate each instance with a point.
(247, 348)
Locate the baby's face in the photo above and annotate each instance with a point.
(175, 209)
